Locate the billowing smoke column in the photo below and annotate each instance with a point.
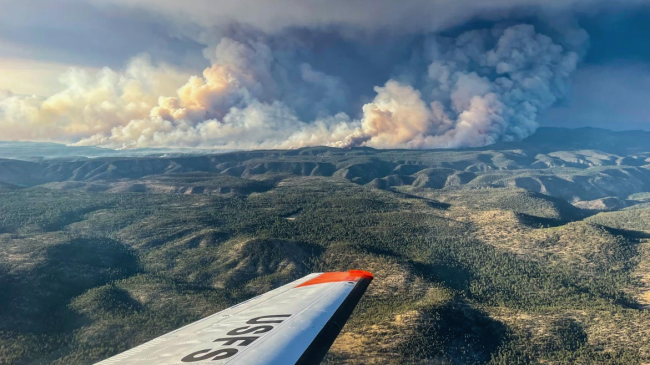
(481, 87)
(236, 104)
(88, 104)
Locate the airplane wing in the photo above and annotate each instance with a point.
(293, 324)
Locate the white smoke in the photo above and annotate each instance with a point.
(233, 105)
(258, 125)
(487, 86)
(89, 103)
(481, 87)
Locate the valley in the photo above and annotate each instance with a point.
(518, 253)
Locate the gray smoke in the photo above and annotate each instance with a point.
(482, 87)
(477, 88)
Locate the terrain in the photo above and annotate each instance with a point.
(47, 151)
(532, 252)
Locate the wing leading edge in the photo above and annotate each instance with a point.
(294, 324)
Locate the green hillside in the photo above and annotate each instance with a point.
(504, 256)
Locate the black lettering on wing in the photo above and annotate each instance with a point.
(225, 353)
(214, 355)
(264, 320)
(229, 341)
(248, 329)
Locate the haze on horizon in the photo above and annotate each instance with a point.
(286, 73)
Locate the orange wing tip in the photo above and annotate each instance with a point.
(332, 277)
(362, 274)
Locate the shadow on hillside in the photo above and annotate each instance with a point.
(39, 296)
(432, 203)
(539, 222)
(450, 275)
(627, 233)
(455, 332)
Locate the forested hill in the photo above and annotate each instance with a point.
(572, 164)
(532, 252)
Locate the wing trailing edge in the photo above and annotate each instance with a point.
(294, 324)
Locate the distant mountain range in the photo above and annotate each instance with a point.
(544, 140)
(48, 150)
(623, 142)
(577, 165)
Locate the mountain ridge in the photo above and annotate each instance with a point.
(571, 138)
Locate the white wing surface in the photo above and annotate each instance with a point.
(294, 324)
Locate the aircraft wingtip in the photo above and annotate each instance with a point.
(331, 277)
(362, 274)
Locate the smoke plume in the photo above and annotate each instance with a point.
(478, 88)
(482, 87)
(88, 104)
